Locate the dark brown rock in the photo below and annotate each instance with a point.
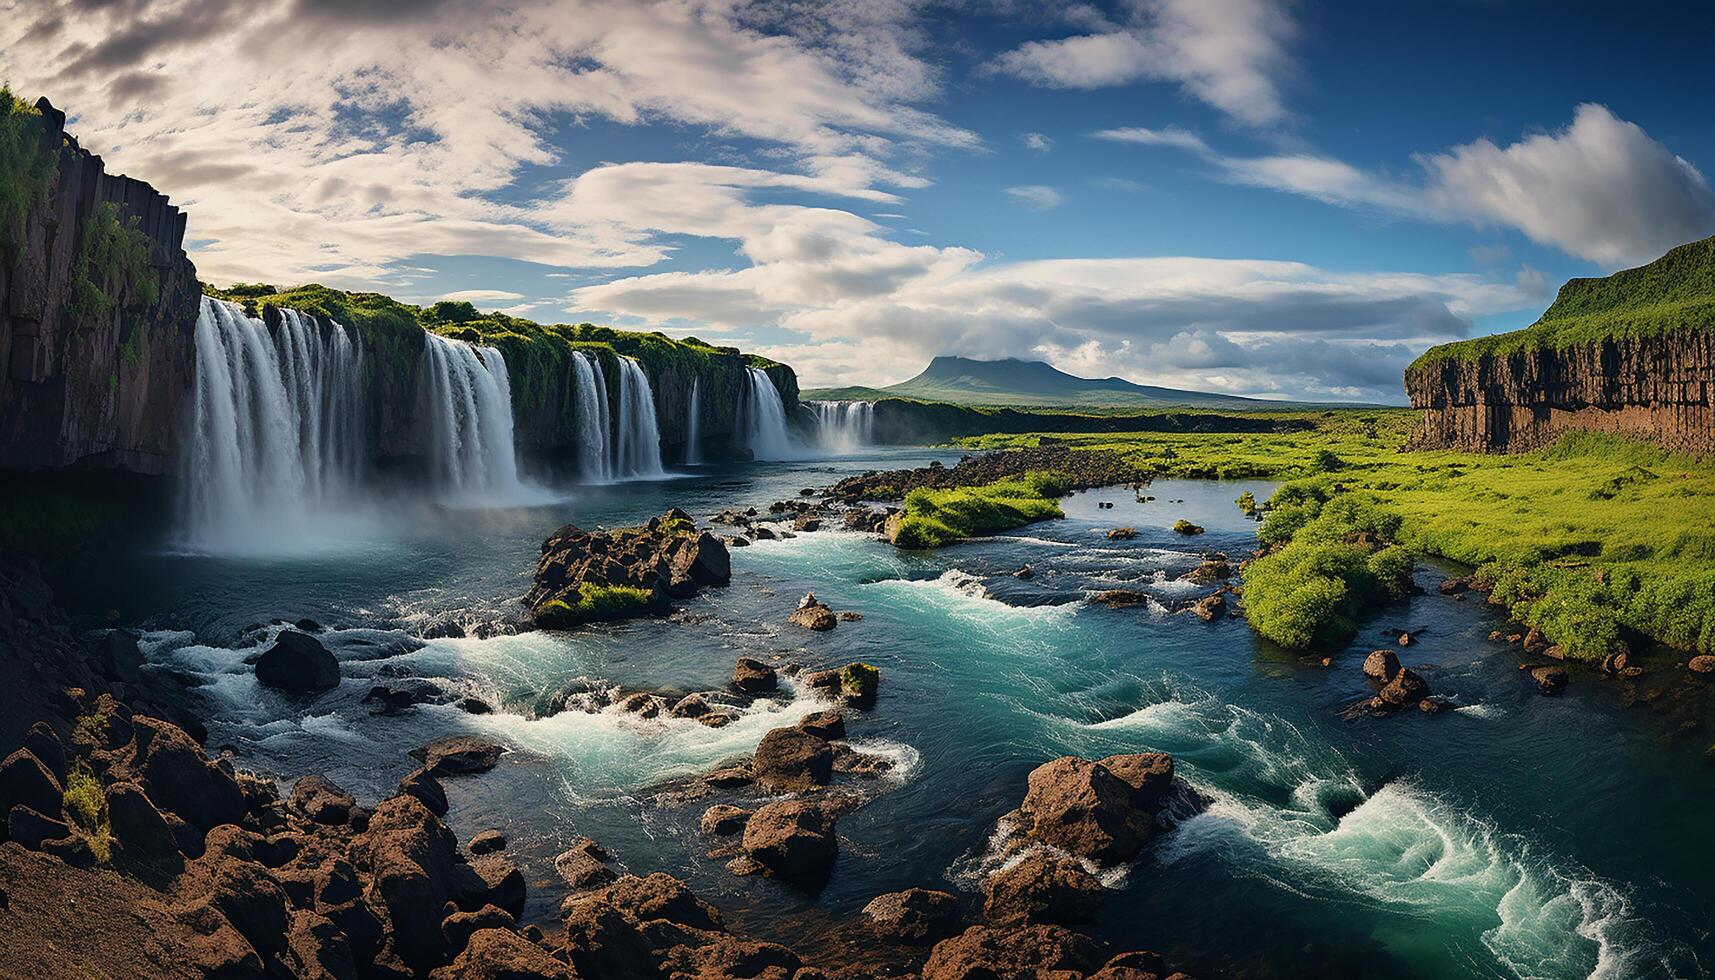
(459, 755)
(316, 949)
(1549, 680)
(791, 761)
(1210, 608)
(1148, 774)
(583, 865)
(1037, 952)
(1381, 665)
(1041, 888)
(30, 828)
(181, 780)
(501, 954)
(791, 838)
(1404, 689)
(297, 663)
(319, 799)
(915, 916)
(487, 842)
(813, 615)
(24, 781)
(752, 676)
(828, 725)
(723, 820)
(1079, 806)
(426, 789)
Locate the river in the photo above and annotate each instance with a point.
(1514, 835)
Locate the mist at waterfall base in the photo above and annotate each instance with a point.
(1512, 835)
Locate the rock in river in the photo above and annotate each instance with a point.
(788, 760)
(297, 662)
(791, 838)
(812, 614)
(459, 755)
(915, 916)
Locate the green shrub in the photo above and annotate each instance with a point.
(595, 603)
(87, 804)
(112, 262)
(26, 167)
(932, 518)
(1247, 503)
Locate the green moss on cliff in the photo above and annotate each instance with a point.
(26, 167)
(112, 266)
(1673, 294)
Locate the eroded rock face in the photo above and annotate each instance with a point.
(1080, 807)
(1655, 389)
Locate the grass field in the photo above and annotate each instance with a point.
(1595, 541)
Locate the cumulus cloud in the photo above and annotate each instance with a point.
(1230, 54)
(1601, 189)
(481, 295)
(1035, 197)
(318, 140)
(1036, 141)
(862, 308)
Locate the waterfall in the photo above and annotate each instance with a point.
(276, 426)
(594, 422)
(844, 427)
(693, 455)
(470, 405)
(638, 447)
(765, 418)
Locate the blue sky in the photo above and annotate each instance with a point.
(1277, 199)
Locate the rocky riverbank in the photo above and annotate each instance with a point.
(590, 576)
(1081, 469)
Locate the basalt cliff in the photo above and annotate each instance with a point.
(1632, 354)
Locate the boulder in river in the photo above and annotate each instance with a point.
(828, 725)
(297, 663)
(1702, 665)
(587, 576)
(788, 760)
(1210, 608)
(1403, 689)
(813, 614)
(1381, 665)
(1186, 527)
(752, 676)
(1549, 680)
(1120, 598)
(1085, 810)
(1122, 533)
(791, 838)
(319, 799)
(1212, 571)
(855, 683)
(459, 755)
(1044, 887)
(915, 916)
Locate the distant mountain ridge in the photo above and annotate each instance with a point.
(1014, 381)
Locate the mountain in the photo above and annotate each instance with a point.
(1011, 381)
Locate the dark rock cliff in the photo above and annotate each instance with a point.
(1656, 389)
(100, 388)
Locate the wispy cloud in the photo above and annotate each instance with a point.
(1036, 141)
(1035, 197)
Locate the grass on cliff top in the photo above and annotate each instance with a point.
(1673, 294)
(26, 169)
(932, 518)
(1593, 540)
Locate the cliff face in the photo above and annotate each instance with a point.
(100, 387)
(1656, 389)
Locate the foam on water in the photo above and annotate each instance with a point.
(1272, 793)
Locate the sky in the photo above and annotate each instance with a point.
(1277, 199)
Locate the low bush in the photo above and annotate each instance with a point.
(595, 603)
(933, 518)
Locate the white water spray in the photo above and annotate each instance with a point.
(277, 426)
(765, 418)
(595, 464)
(844, 426)
(638, 448)
(470, 403)
(693, 454)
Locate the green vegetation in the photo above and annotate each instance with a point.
(594, 603)
(932, 518)
(26, 167)
(87, 805)
(1594, 541)
(1183, 526)
(1247, 503)
(1674, 293)
(112, 262)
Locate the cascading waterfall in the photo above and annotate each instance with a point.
(844, 426)
(470, 400)
(693, 455)
(638, 448)
(595, 464)
(277, 426)
(765, 418)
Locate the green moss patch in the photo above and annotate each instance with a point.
(932, 518)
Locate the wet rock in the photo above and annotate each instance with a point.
(458, 755)
(119, 656)
(1455, 586)
(297, 663)
(1122, 533)
(752, 676)
(723, 820)
(1149, 775)
(1549, 680)
(827, 725)
(319, 799)
(690, 706)
(642, 704)
(856, 683)
(1035, 952)
(1703, 665)
(788, 760)
(502, 884)
(1406, 639)
(585, 865)
(730, 777)
(812, 614)
(1381, 665)
(1534, 641)
(1041, 888)
(316, 948)
(1120, 598)
(475, 706)
(1404, 689)
(487, 842)
(791, 838)
(1212, 571)
(1082, 808)
(1210, 608)
(1024, 572)
(915, 916)
(460, 926)
(421, 785)
(394, 697)
(847, 616)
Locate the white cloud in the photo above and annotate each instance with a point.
(1231, 54)
(312, 139)
(1600, 189)
(1035, 197)
(1036, 141)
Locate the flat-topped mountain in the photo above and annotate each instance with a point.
(1013, 381)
